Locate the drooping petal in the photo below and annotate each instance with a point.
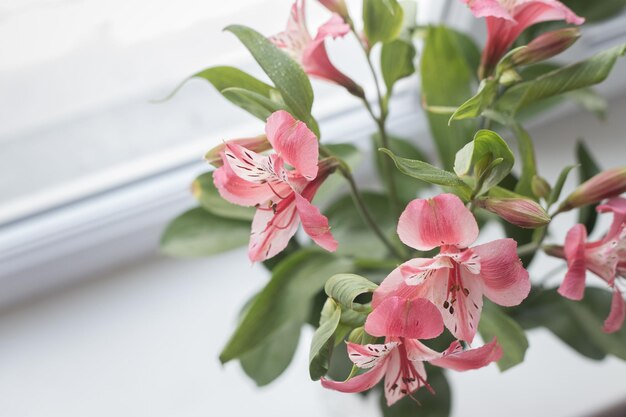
(460, 303)
(417, 351)
(359, 383)
(296, 35)
(272, 229)
(617, 314)
(252, 167)
(617, 206)
(442, 220)
(368, 356)
(504, 279)
(236, 190)
(294, 142)
(315, 224)
(573, 286)
(399, 383)
(457, 359)
(530, 12)
(420, 269)
(401, 317)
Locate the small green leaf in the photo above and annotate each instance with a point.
(511, 337)
(558, 187)
(480, 101)
(588, 168)
(382, 20)
(344, 288)
(270, 359)
(287, 298)
(203, 189)
(529, 164)
(323, 341)
(582, 74)
(197, 233)
(430, 174)
(285, 73)
(486, 148)
(396, 61)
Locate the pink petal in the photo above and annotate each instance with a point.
(294, 142)
(369, 356)
(573, 286)
(617, 206)
(459, 360)
(271, 230)
(315, 224)
(417, 351)
(530, 12)
(416, 273)
(394, 284)
(503, 277)
(614, 321)
(335, 27)
(442, 220)
(397, 382)
(492, 8)
(358, 383)
(400, 317)
(461, 317)
(236, 190)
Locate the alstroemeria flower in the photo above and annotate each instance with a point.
(507, 19)
(606, 258)
(456, 279)
(311, 52)
(281, 195)
(400, 360)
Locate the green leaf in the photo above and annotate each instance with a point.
(477, 158)
(582, 74)
(353, 235)
(428, 405)
(588, 168)
(406, 187)
(479, 102)
(382, 20)
(287, 298)
(529, 164)
(197, 233)
(259, 106)
(344, 288)
(396, 61)
(558, 187)
(270, 359)
(511, 337)
(285, 73)
(203, 189)
(448, 75)
(323, 341)
(430, 174)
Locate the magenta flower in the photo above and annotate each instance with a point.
(457, 278)
(311, 52)
(507, 19)
(281, 195)
(400, 360)
(606, 258)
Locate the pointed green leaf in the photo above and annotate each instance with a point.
(558, 187)
(511, 337)
(529, 164)
(396, 61)
(480, 101)
(382, 20)
(197, 233)
(204, 190)
(587, 215)
(323, 340)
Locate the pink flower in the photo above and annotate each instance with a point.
(281, 195)
(400, 360)
(311, 52)
(457, 278)
(606, 258)
(507, 19)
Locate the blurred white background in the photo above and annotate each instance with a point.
(92, 320)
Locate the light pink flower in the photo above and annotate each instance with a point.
(606, 258)
(281, 195)
(456, 279)
(400, 360)
(311, 52)
(507, 19)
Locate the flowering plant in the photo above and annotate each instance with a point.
(394, 275)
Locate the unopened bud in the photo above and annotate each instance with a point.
(257, 144)
(510, 77)
(522, 212)
(545, 46)
(337, 6)
(540, 187)
(607, 184)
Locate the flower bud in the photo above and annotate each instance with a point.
(607, 184)
(522, 212)
(337, 6)
(545, 46)
(540, 187)
(257, 144)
